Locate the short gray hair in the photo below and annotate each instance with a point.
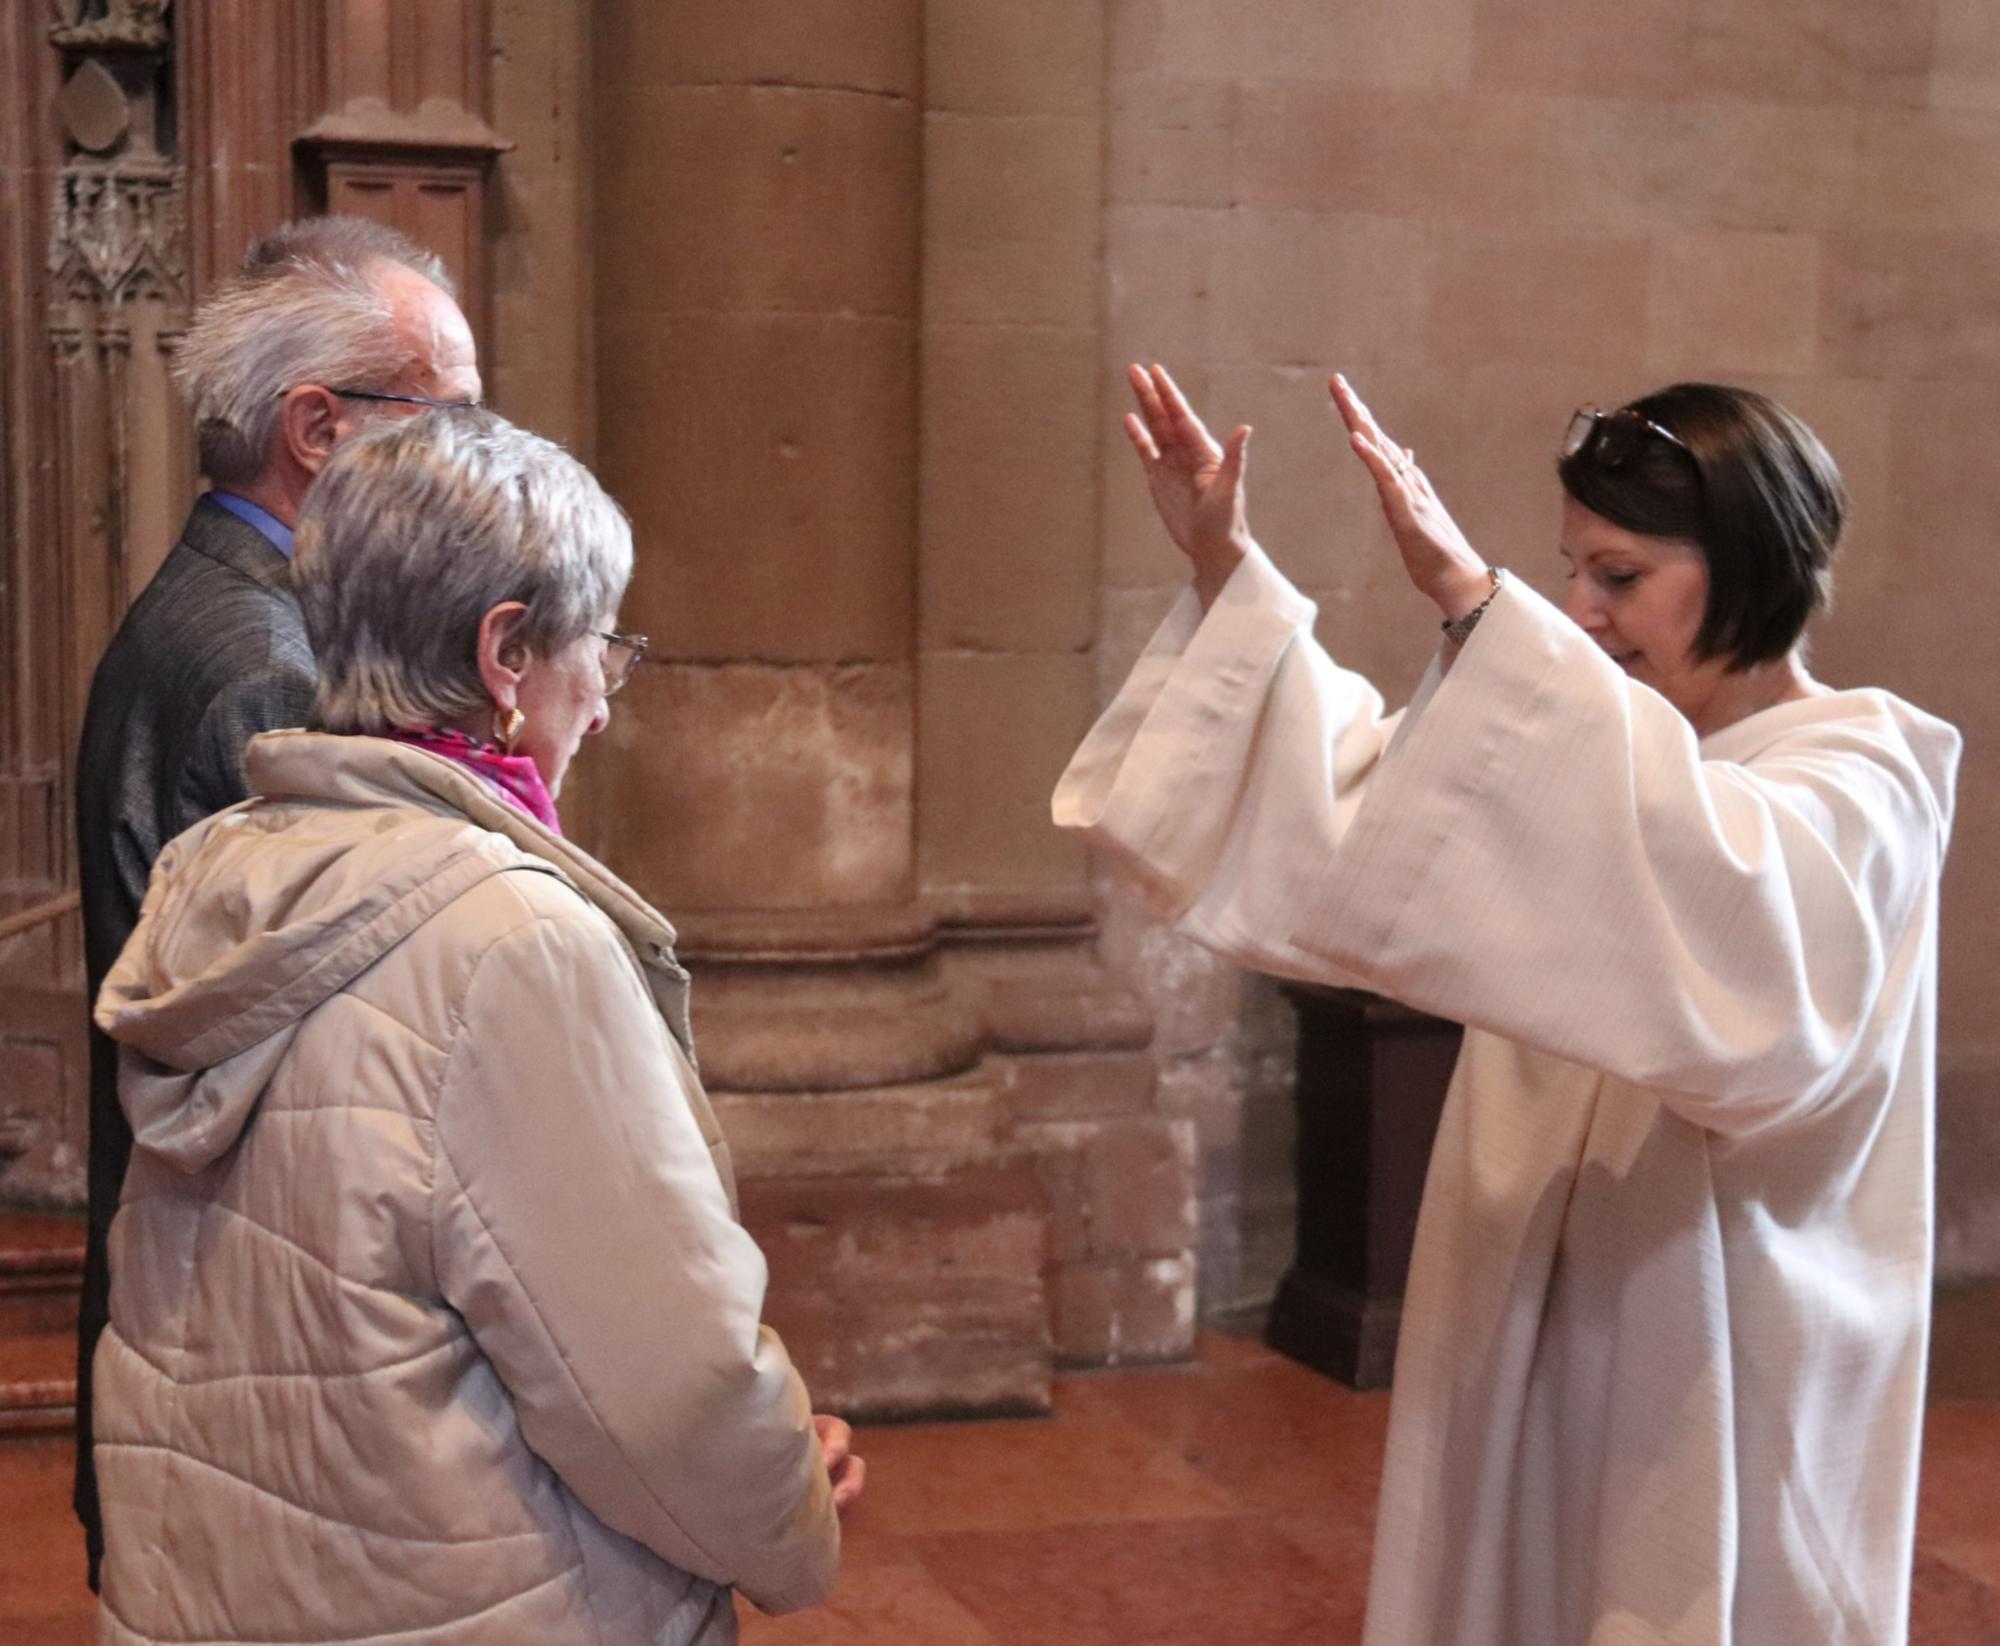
(414, 530)
(307, 307)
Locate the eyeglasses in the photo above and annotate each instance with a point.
(621, 657)
(406, 399)
(1614, 438)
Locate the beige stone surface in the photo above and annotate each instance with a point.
(1171, 141)
(1898, 304)
(994, 177)
(754, 786)
(1965, 60)
(768, 462)
(1525, 161)
(1931, 173)
(1532, 295)
(863, 45)
(1822, 51)
(1009, 500)
(1725, 304)
(1022, 283)
(540, 365)
(1638, 49)
(903, 1294)
(1124, 1311)
(1375, 42)
(995, 732)
(1024, 57)
(767, 197)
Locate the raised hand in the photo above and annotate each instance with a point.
(1197, 485)
(1442, 564)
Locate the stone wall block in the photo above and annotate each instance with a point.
(1163, 289)
(1141, 1183)
(1003, 178)
(866, 45)
(1912, 305)
(1965, 60)
(1423, 43)
(1812, 51)
(1932, 173)
(1637, 49)
(855, 1290)
(1321, 288)
(773, 526)
(1530, 295)
(771, 198)
(1079, 1085)
(1009, 497)
(833, 1130)
(995, 733)
(777, 787)
(1025, 57)
(1124, 1311)
(1584, 162)
(1021, 283)
(1171, 141)
(1724, 304)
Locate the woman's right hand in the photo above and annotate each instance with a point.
(1197, 485)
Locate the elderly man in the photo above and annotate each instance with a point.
(333, 322)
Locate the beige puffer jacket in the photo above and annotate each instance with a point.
(431, 1319)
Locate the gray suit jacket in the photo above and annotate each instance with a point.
(212, 652)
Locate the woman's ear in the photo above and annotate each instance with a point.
(503, 655)
(310, 423)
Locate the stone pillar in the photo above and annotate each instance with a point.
(758, 214)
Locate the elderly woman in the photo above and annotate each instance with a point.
(433, 1319)
(1662, 1355)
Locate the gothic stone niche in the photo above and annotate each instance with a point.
(113, 283)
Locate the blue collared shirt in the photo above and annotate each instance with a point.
(266, 522)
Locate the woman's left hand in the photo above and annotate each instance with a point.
(844, 1466)
(1440, 562)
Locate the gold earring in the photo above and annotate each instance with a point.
(507, 728)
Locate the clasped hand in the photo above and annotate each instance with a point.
(1198, 488)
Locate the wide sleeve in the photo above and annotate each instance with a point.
(1548, 853)
(581, 1229)
(1223, 774)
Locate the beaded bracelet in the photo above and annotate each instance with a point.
(1456, 629)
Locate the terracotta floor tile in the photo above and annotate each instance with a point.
(1032, 1472)
(1950, 1609)
(1965, 1343)
(44, 1600)
(873, 1606)
(1269, 1432)
(1958, 1512)
(1226, 1501)
(1140, 1583)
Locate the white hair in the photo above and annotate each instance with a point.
(418, 527)
(307, 307)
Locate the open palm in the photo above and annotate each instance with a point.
(1196, 484)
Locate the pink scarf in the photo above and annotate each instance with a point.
(516, 777)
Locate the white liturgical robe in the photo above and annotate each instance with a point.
(1660, 1377)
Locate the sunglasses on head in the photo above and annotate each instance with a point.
(1612, 438)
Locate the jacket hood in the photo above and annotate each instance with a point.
(260, 913)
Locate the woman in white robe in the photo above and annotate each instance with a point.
(1660, 1377)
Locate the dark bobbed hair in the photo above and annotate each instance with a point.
(1754, 489)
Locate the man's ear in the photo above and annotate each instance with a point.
(310, 422)
(503, 655)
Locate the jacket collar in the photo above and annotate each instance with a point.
(229, 540)
(375, 771)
